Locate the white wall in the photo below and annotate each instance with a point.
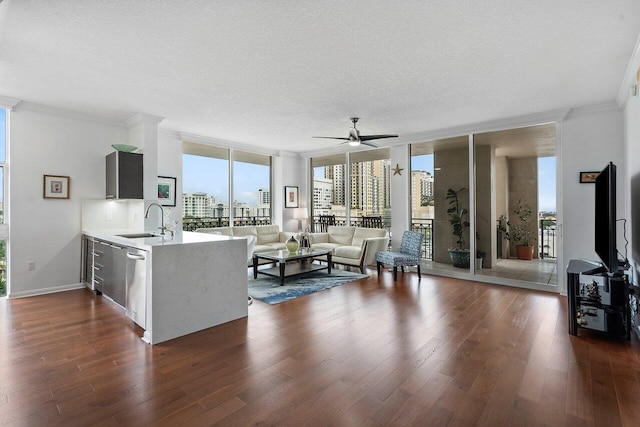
(590, 139)
(400, 194)
(170, 164)
(289, 169)
(632, 158)
(47, 231)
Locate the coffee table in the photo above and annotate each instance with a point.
(304, 266)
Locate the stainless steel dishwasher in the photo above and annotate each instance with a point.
(136, 305)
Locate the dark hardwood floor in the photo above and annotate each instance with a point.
(372, 352)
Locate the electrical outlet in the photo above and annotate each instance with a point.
(31, 265)
(109, 217)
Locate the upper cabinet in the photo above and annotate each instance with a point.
(124, 176)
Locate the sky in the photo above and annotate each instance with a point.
(209, 175)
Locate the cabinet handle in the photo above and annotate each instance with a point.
(135, 256)
(115, 247)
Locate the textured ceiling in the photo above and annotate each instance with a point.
(275, 73)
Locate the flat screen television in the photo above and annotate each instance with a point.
(605, 223)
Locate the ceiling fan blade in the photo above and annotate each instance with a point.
(331, 137)
(370, 137)
(370, 144)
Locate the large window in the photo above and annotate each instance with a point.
(207, 184)
(370, 183)
(328, 183)
(4, 232)
(251, 188)
(480, 228)
(364, 186)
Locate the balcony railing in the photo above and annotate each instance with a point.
(547, 239)
(192, 224)
(424, 226)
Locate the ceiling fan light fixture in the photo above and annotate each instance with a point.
(354, 142)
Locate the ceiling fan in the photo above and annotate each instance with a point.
(354, 139)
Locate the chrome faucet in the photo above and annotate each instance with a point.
(146, 215)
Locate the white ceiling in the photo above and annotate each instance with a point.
(275, 73)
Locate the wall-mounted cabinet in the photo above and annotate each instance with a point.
(124, 176)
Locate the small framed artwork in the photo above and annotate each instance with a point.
(55, 187)
(588, 177)
(167, 190)
(290, 197)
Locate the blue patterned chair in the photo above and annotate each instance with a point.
(409, 255)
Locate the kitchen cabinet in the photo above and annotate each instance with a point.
(124, 175)
(109, 264)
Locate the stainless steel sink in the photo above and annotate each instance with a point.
(138, 235)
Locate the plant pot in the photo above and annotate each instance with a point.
(524, 252)
(460, 257)
(479, 263)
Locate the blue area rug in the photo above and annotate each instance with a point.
(268, 289)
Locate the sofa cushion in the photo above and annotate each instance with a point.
(325, 246)
(263, 248)
(318, 238)
(276, 246)
(353, 252)
(268, 234)
(340, 235)
(225, 231)
(248, 230)
(362, 233)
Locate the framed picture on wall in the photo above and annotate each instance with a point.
(588, 177)
(167, 190)
(55, 187)
(290, 197)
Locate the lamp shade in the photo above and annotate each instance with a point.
(300, 213)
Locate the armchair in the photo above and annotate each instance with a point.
(409, 255)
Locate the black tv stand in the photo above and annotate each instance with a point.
(598, 300)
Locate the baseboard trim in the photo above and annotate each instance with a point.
(44, 291)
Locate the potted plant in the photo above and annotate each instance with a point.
(459, 255)
(479, 254)
(522, 234)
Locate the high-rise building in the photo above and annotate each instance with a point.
(421, 187)
(264, 197)
(198, 205)
(336, 173)
(322, 195)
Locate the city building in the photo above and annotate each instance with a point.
(198, 205)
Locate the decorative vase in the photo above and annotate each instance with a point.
(292, 244)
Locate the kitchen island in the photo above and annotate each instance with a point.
(193, 281)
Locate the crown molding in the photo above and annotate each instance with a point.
(9, 103)
(200, 139)
(139, 118)
(69, 114)
(591, 109)
(169, 133)
(630, 77)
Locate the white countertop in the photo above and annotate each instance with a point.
(147, 243)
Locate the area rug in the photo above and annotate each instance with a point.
(268, 289)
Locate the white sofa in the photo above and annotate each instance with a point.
(352, 246)
(267, 237)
